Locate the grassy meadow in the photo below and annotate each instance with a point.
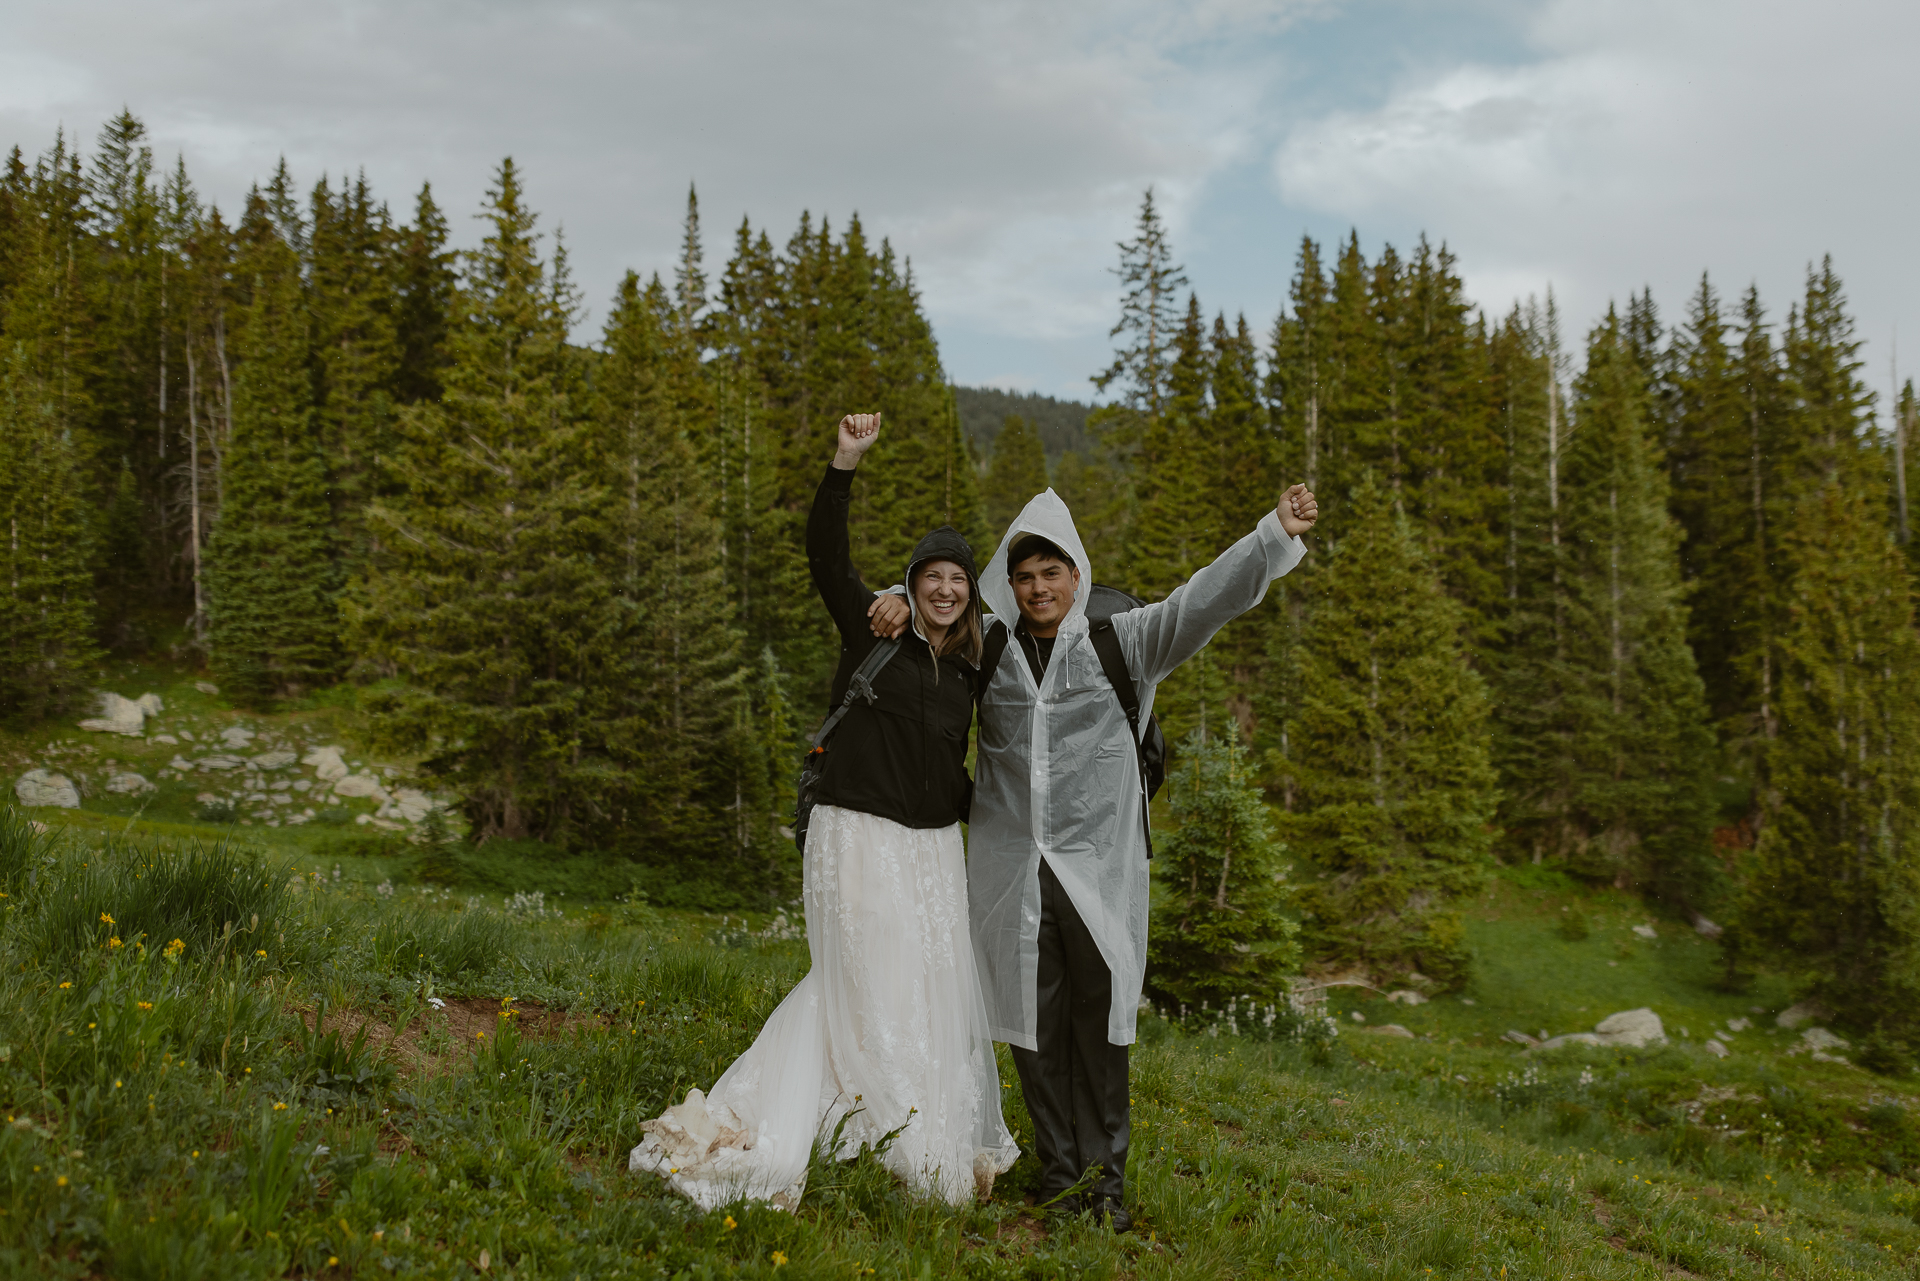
(330, 1049)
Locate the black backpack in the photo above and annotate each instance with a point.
(1150, 744)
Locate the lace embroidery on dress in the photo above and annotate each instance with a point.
(888, 1031)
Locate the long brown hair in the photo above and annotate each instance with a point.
(964, 635)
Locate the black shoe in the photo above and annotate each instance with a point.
(1114, 1215)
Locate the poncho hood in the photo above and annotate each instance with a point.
(944, 543)
(1047, 516)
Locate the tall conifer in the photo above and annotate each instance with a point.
(1605, 748)
(271, 573)
(668, 664)
(47, 652)
(1392, 786)
(1833, 892)
(424, 282)
(491, 579)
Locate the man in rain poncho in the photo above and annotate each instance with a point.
(1057, 843)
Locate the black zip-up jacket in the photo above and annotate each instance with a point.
(904, 756)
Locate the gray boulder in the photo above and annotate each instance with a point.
(326, 763)
(1634, 1028)
(129, 783)
(360, 785)
(1803, 1012)
(1630, 1028)
(119, 716)
(38, 787)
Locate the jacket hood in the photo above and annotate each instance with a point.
(1048, 517)
(944, 543)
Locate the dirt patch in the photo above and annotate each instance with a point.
(453, 1030)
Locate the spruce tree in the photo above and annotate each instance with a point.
(271, 573)
(1167, 537)
(667, 662)
(356, 350)
(1219, 930)
(491, 577)
(47, 652)
(424, 281)
(1017, 471)
(1605, 750)
(1150, 282)
(1833, 889)
(1393, 790)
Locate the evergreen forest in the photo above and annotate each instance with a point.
(1633, 602)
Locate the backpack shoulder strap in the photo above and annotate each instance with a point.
(860, 685)
(1106, 643)
(990, 651)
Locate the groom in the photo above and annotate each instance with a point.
(1057, 845)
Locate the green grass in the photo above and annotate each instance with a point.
(284, 1099)
(357, 1062)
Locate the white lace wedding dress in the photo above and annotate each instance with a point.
(887, 1031)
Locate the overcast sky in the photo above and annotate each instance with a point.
(1595, 146)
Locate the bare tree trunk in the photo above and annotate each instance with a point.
(226, 405)
(1899, 416)
(1760, 555)
(163, 359)
(193, 491)
(1613, 584)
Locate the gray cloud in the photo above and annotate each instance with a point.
(1644, 143)
(1003, 144)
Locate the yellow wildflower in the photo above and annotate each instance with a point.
(106, 918)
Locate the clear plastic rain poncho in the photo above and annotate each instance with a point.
(1056, 773)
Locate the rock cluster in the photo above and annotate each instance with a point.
(1631, 1028)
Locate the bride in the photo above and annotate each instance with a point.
(888, 1031)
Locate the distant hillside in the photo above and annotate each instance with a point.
(1062, 424)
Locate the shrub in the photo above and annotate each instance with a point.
(1219, 933)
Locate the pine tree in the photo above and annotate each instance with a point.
(1833, 891)
(1605, 750)
(1219, 930)
(1393, 790)
(356, 351)
(490, 578)
(667, 667)
(1017, 472)
(1166, 539)
(47, 653)
(424, 281)
(271, 572)
(1151, 282)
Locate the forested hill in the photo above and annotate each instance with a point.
(1635, 603)
(1061, 424)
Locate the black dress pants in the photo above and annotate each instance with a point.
(1075, 1084)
